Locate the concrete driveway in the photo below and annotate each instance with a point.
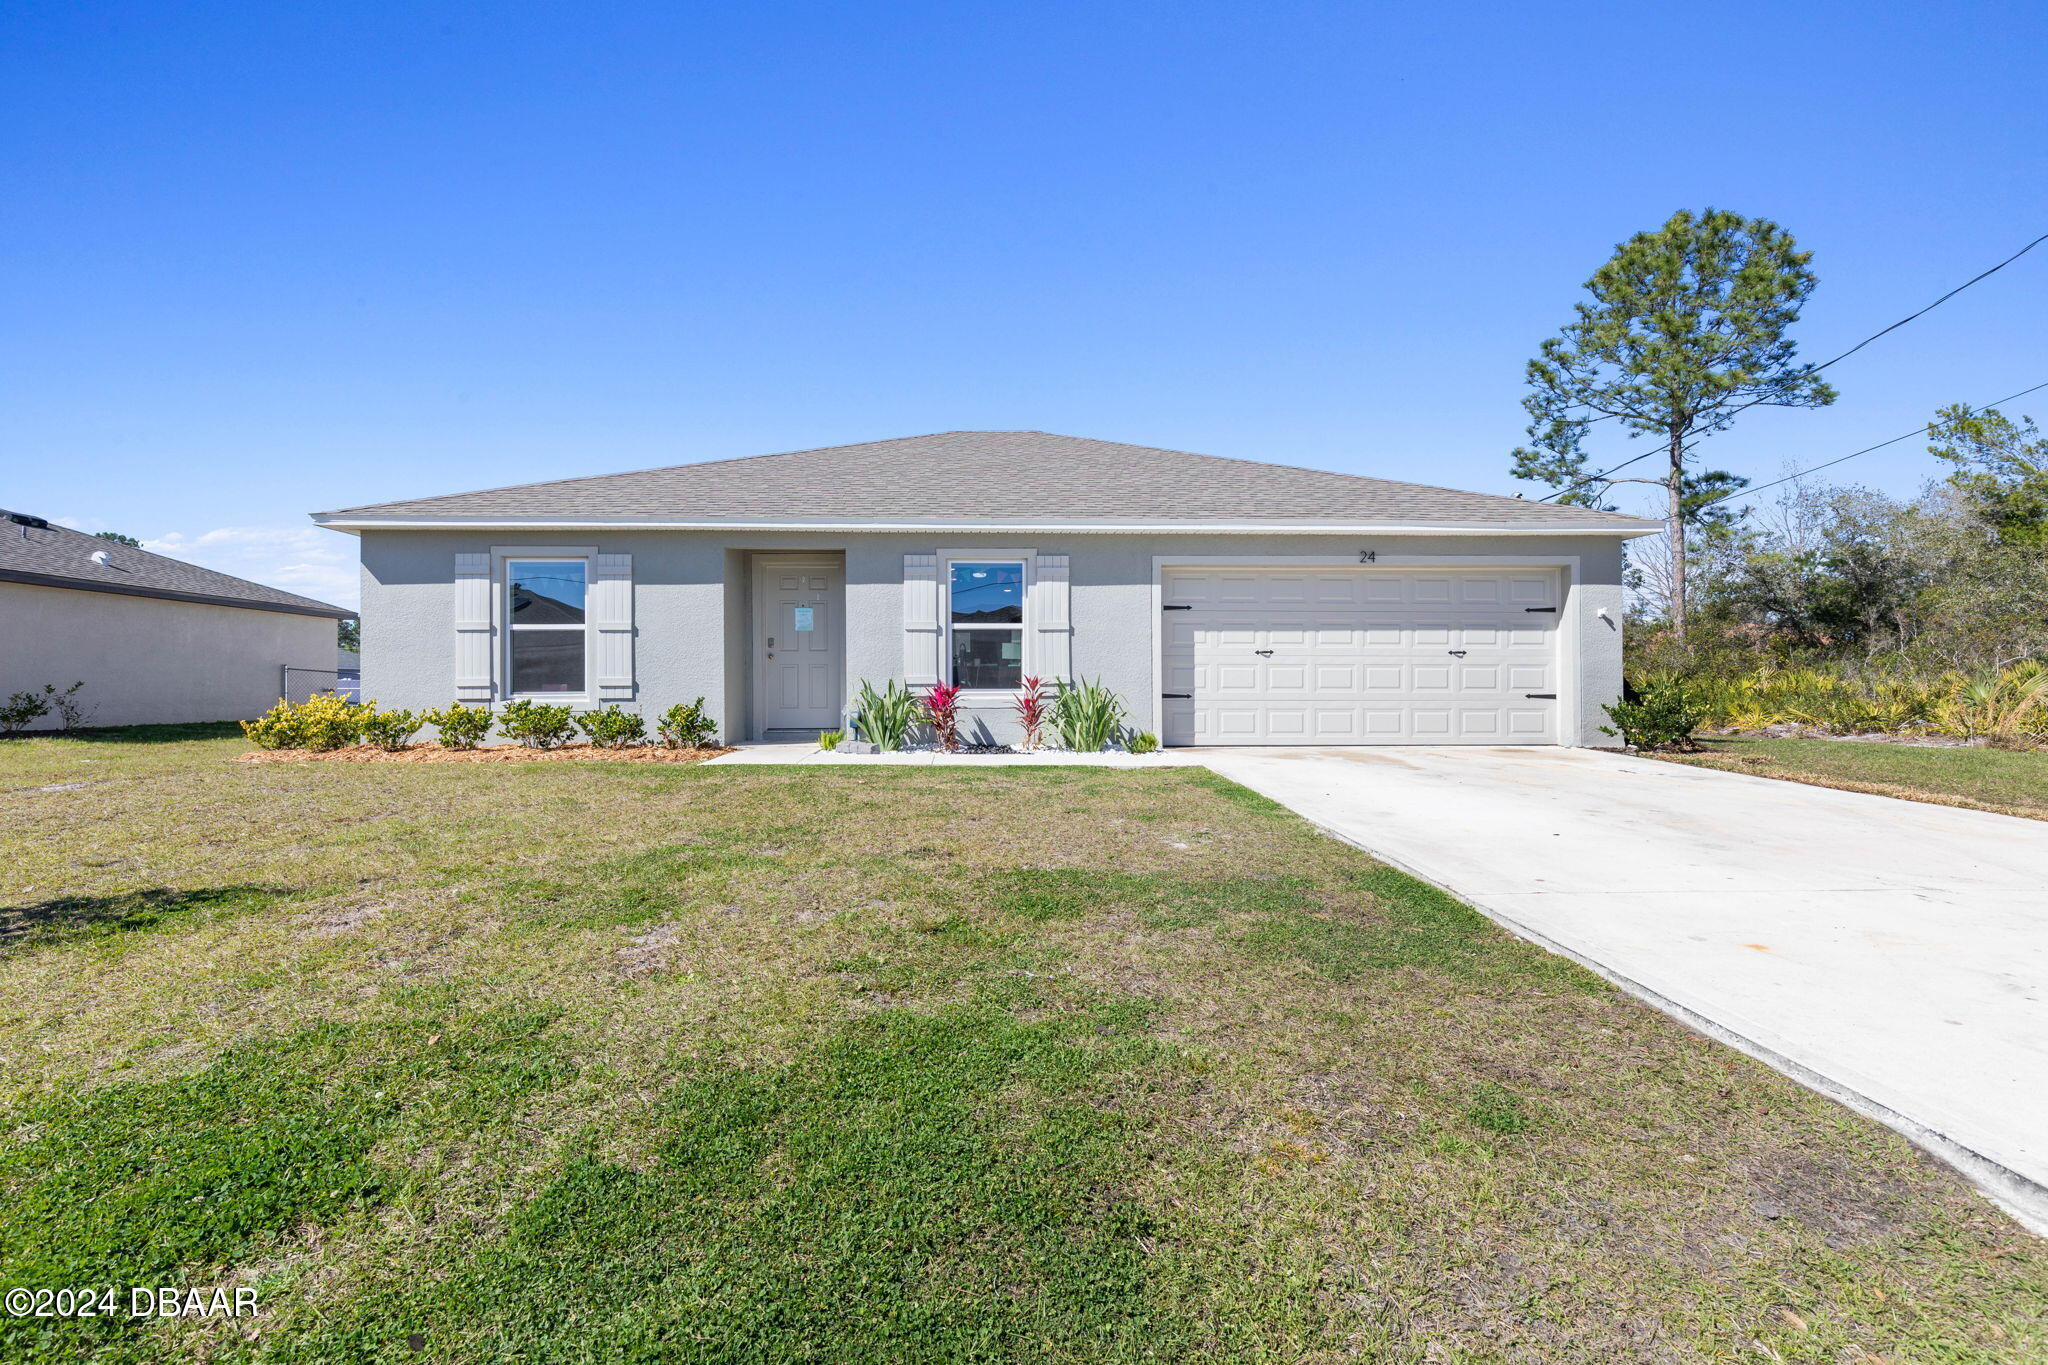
(1891, 954)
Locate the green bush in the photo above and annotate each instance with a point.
(536, 724)
(611, 728)
(390, 730)
(1144, 742)
(321, 722)
(458, 726)
(1663, 719)
(885, 718)
(71, 712)
(828, 740)
(20, 709)
(687, 725)
(1086, 715)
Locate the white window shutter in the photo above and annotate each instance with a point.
(473, 628)
(1053, 617)
(921, 620)
(611, 617)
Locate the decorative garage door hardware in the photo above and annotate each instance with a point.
(1541, 696)
(1539, 608)
(1171, 606)
(1178, 696)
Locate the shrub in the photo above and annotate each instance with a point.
(885, 717)
(942, 712)
(458, 726)
(687, 725)
(2007, 710)
(71, 714)
(1086, 716)
(390, 730)
(1663, 718)
(611, 728)
(1144, 742)
(1030, 705)
(536, 725)
(323, 721)
(21, 708)
(828, 740)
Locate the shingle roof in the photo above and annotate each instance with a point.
(994, 476)
(58, 557)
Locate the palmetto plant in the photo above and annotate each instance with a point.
(885, 717)
(2008, 709)
(942, 713)
(1086, 716)
(1031, 705)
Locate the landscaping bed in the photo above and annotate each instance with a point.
(497, 753)
(640, 1061)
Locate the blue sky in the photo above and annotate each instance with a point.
(258, 260)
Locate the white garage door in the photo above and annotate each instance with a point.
(1360, 656)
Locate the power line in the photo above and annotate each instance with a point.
(1828, 464)
(1596, 478)
(1938, 302)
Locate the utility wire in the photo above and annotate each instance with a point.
(1596, 478)
(1938, 302)
(1827, 464)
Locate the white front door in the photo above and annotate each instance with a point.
(1360, 656)
(799, 643)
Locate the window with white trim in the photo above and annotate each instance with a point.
(985, 624)
(547, 641)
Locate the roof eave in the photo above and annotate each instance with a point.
(356, 522)
(47, 580)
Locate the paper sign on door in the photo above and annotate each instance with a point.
(804, 618)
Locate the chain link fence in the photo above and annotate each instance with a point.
(298, 685)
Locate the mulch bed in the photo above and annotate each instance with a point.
(500, 753)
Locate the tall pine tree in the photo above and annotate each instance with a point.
(1685, 329)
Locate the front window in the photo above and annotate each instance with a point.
(986, 621)
(544, 636)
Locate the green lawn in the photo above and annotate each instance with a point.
(1990, 779)
(629, 1062)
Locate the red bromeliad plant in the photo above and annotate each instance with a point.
(1031, 705)
(942, 713)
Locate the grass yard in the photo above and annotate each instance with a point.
(1985, 779)
(628, 1062)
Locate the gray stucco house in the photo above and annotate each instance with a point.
(1229, 601)
(155, 640)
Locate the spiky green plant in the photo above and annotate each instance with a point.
(1086, 715)
(886, 717)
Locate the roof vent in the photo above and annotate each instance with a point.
(99, 557)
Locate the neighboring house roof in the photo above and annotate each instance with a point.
(986, 478)
(58, 557)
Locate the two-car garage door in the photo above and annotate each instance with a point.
(1360, 656)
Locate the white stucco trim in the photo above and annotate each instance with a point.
(341, 521)
(1570, 732)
